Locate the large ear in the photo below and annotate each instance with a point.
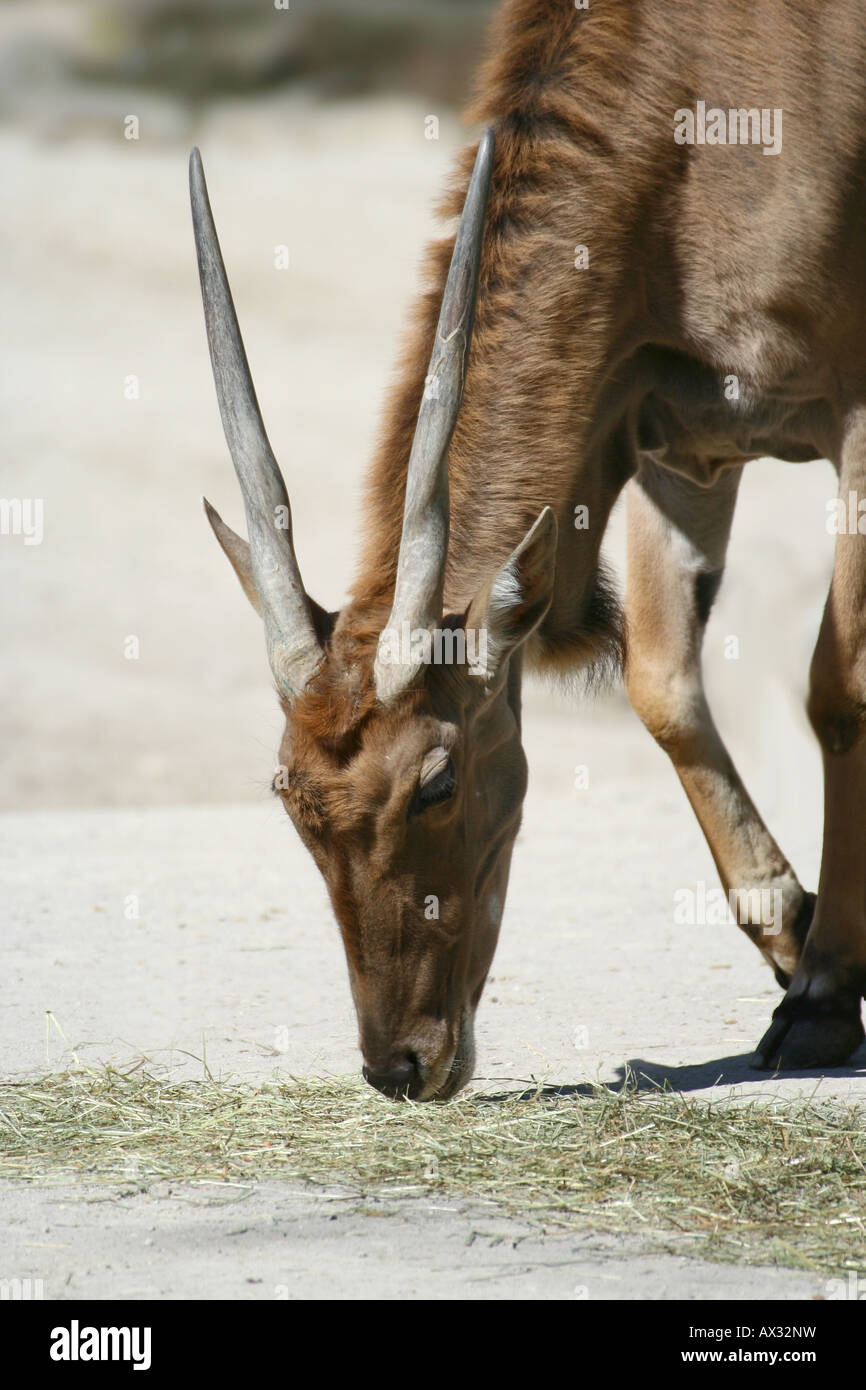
(510, 608)
(237, 552)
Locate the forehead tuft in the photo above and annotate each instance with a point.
(334, 707)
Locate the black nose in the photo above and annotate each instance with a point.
(401, 1082)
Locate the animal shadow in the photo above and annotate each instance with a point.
(640, 1076)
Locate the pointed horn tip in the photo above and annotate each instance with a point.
(210, 512)
(197, 182)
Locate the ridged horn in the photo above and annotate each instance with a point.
(294, 650)
(424, 542)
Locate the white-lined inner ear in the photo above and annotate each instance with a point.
(506, 592)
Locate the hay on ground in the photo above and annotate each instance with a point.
(758, 1182)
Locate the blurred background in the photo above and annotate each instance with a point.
(133, 672)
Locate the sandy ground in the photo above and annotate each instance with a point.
(99, 284)
(274, 1243)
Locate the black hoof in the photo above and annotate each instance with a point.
(811, 1029)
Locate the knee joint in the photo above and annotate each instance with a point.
(837, 717)
(668, 702)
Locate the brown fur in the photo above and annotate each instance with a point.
(518, 442)
(703, 263)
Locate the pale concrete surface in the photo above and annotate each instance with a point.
(274, 1243)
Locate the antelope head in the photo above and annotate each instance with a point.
(401, 765)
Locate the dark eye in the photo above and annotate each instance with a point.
(437, 788)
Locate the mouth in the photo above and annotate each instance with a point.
(452, 1075)
(417, 1080)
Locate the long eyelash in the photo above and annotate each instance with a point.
(440, 789)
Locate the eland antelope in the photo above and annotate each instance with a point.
(703, 266)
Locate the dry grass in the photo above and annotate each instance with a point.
(776, 1183)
